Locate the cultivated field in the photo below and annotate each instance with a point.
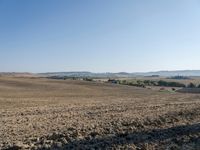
(56, 114)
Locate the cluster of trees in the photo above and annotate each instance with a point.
(174, 84)
(170, 84)
(192, 85)
(71, 78)
(179, 77)
(143, 83)
(87, 79)
(138, 83)
(78, 78)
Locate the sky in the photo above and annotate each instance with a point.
(99, 35)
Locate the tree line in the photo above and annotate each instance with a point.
(144, 83)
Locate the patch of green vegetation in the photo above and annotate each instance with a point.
(144, 83)
(170, 84)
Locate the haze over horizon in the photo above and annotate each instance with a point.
(99, 36)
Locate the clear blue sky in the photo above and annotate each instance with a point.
(99, 35)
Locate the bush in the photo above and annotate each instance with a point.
(173, 89)
(87, 79)
(123, 82)
(149, 83)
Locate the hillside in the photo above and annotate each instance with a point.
(124, 74)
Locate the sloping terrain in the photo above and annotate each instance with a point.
(56, 114)
(124, 74)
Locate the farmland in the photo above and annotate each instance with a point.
(40, 113)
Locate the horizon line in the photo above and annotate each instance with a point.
(101, 72)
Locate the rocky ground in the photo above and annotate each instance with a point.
(50, 114)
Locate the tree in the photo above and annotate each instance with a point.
(191, 85)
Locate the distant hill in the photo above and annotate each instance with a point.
(172, 73)
(123, 74)
(186, 73)
(86, 74)
(18, 74)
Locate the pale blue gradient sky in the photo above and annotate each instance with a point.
(99, 35)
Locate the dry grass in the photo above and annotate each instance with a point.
(55, 114)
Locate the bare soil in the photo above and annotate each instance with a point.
(56, 114)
